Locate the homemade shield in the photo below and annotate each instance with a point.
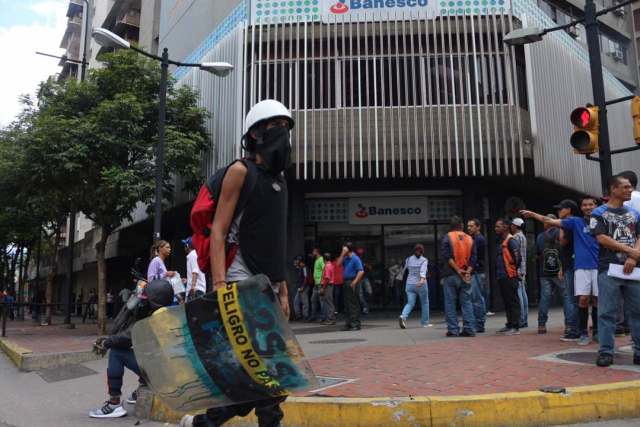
(229, 346)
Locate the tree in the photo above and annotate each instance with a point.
(102, 134)
(38, 199)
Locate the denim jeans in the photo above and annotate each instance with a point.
(316, 304)
(570, 303)
(609, 290)
(547, 286)
(484, 289)
(478, 301)
(301, 304)
(455, 288)
(413, 292)
(524, 302)
(327, 304)
(118, 360)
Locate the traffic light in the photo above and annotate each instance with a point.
(586, 130)
(635, 114)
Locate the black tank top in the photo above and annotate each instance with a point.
(263, 227)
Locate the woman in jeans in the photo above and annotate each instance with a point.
(416, 265)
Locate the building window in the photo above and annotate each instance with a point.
(387, 73)
(326, 210)
(615, 49)
(636, 19)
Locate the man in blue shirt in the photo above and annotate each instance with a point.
(479, 288)
(585, 248)
(353, 274)
(617, 229)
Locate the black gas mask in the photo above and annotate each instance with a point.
(275, 149)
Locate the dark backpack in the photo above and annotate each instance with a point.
(551, 263)
(204, 209)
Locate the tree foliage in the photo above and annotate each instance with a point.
(90, 146)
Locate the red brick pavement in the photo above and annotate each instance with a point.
(456, 366)
(53, 338)
(461, 366)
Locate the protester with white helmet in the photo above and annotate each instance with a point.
(257, 233)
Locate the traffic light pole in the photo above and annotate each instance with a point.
(597, 85)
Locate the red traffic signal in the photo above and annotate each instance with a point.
(586, 133)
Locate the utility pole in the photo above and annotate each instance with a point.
(157, 217)
(597, 85)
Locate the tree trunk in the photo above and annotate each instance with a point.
(25, 273)
(51, 277)
(20, 294)
(102, 282)
(12, 268)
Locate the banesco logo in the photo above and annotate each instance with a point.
(339, 8)
(344, 6)
(364, 211)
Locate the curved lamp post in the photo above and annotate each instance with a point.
(106, 38)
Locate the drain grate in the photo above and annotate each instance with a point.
(339, 341)
(67, 372)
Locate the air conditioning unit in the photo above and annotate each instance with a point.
(616, 55)
(620, 12)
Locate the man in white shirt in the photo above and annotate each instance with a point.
(635, 195)
(196, 282)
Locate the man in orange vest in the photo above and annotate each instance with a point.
(508, 259)
(459, 253)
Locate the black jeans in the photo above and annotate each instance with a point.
(268, 412)
(509, 291)
(118, 360)
(351, 304)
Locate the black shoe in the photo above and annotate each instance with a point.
(605, 360)
(355, 328)
(524, 325)
(636, 359)
(466, 333)
(346, 328)
(503, 330)
(619, 332)
(570, 337)
(452, 334)
(480, 330)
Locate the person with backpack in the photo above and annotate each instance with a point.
(586, 249)
(548, 249)
(248, 232)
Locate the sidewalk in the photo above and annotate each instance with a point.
(381, 371)
(33, 347)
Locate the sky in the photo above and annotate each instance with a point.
(27, 26)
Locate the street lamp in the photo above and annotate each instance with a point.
(528, 35)
(106, 38)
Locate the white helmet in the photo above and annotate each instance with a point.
(265, 110)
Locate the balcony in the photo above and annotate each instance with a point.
(130, 18)
(75, 7)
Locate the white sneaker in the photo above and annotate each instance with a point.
(584, 340)
(133, 398)
(403, 322)
(428, 325)
(490, 313)
(186, 421)
(108, 410)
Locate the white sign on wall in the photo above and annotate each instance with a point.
(388, 210)
(331, 11)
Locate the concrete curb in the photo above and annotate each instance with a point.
(27, 361)
(578, 404)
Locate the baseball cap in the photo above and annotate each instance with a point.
(567, 204)
(187, 241)
(518, 222)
